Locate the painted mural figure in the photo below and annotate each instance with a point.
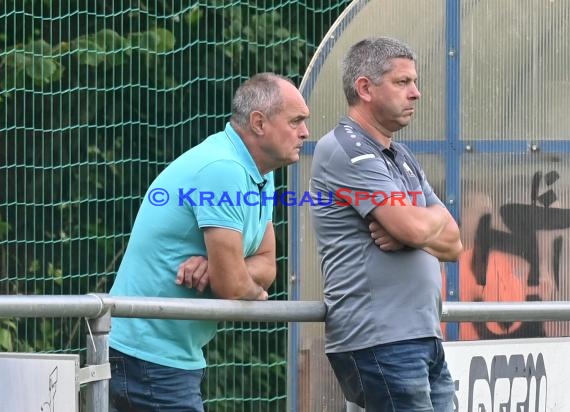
(520, 263)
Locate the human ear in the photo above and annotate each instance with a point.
(362, 85)
(256, 119)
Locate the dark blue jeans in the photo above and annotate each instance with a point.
(142, 386)
(406, 376)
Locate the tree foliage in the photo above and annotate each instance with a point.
(96, 98)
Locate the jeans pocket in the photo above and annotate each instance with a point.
(118, 391)
(348, 376)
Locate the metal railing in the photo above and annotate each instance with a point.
(96, 305)
(99, 308)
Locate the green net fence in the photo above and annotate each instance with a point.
(96, 98)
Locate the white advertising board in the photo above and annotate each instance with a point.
(511, 375)
(39, 382)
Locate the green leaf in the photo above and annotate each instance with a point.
(281, 33)
(39, 48)
(55, 273)
(4, 229)
(115, 46)
(193, 17)
(88, 51)
(145, 41)
(16, 59)
(60, 49)
(5, 339)
(110, 40)
(35, 61)
(34, 266)
(7, 328)
(44, 70)
(158, 40)
(166, 40)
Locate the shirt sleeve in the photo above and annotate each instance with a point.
(431, 197)
(219, 190)
(269, 189)
(363, 182)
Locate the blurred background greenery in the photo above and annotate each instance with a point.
(96, 98)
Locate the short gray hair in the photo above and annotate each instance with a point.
(259, 93)
(371, 58)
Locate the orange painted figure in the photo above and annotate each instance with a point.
(503, 284)
(490, 275)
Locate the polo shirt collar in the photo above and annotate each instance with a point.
(243, 154)
(348, 121)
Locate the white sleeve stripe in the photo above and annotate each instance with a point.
(362, 157)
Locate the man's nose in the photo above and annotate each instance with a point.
(415, 92)
(304, 132)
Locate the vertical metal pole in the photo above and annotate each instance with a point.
(294, 273)
(453, 153)
(97, 354)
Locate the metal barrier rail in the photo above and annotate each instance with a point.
(95, 305)
(98, 309)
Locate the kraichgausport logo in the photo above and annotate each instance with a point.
(341, 197)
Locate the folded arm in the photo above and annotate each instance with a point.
(431, 228)
(227, 271)
(447, 246)
(261, 267)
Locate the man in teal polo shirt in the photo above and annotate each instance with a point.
(203, 230)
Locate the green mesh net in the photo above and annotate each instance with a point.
(96, 98)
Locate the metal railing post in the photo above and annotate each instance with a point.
(98, 354)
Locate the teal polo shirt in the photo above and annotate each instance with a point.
(214, 184)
